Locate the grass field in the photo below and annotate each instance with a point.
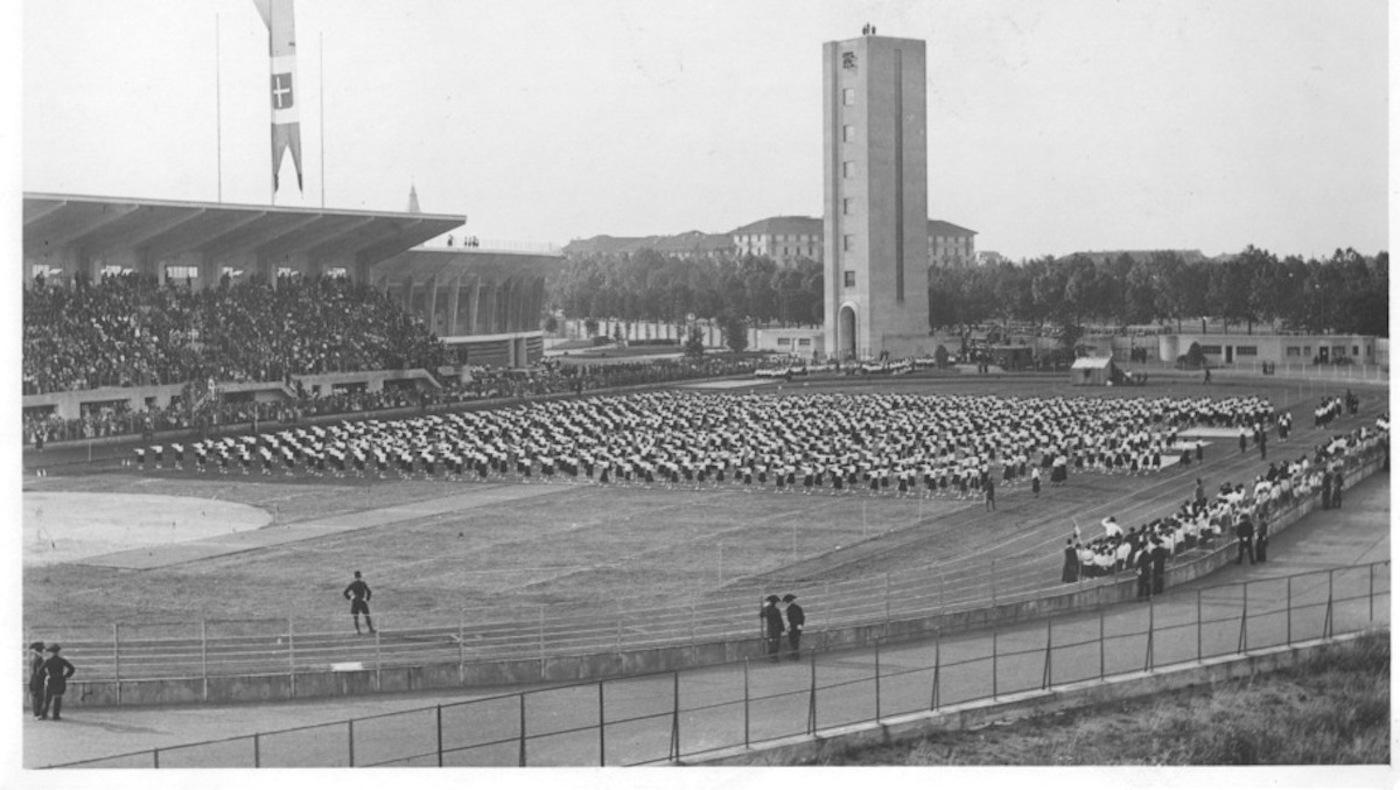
(1332, 710)
(622, 546)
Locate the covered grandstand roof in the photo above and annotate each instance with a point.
(165, 228)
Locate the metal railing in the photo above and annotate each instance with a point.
(674, 716)
(215, 648)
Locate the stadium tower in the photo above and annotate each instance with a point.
(875, 173)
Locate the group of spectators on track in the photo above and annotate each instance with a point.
(1238, 510)
(127, 330)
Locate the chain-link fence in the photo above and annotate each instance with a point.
(674, 716)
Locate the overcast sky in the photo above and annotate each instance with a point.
(1053, 126)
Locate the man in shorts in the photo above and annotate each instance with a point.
(357, 593)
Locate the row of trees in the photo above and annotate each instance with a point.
(648, 286)
(1347, 292)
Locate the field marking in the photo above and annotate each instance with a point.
(220, 543)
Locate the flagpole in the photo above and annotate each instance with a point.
(271, 110)
(218, 109)
(321, 75)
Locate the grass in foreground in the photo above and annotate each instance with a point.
(1333, 709)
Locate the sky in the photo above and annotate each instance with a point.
(1053, 127)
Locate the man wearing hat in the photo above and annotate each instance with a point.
(36, 678)
(796, 619)
(55, 672)
(772, 626)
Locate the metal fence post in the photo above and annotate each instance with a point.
(937, 668)
(812, 699)
(350, 739)
(994, 663)
(461, 646)
(1101, 612)
(746, 703)
(1289, 606)
(291, 659)
(204, 656)
(378, 659)
(257, 752)
(1371, 593)
(1244, 622)
(1327, 623)
(541, 631)
(692, 622)
(155, 758)
(602, 728)
(877, 680)
(1049, 645)
(117, 659)
(675, 715)
(1151, 626)
(522, 729)
(439, 735)
(1200, 646)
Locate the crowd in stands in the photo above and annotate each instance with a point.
(118, 419)
(128, 330)
(1238, 510)
(929, 445)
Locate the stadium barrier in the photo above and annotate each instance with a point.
(270, 659)
(669, 717)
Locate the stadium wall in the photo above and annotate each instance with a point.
(333, 682)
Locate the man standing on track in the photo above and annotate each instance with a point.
(357, 593)
(772, 627)
(36, 679)
(55, 671)
(1244, 531)
(796, 619)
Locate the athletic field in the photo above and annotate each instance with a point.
(107, 544)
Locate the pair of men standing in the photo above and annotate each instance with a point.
(48, 680)
(773, 627)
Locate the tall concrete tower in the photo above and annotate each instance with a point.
(876, 196)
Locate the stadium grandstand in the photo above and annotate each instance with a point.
(142, 314)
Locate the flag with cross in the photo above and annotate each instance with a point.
(282, 47)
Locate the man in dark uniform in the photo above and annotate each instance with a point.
(1159, 566)
(796, 619)
(772, 626)
(357, 593)
(1245, 532)
(36, 679)
(1144, 572)
(55, 671)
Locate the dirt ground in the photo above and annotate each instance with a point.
(585, 543)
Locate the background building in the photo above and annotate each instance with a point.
(875, 172)
(783, 239)
(951, 246)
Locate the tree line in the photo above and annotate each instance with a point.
(1345, 293)
(649, 286)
